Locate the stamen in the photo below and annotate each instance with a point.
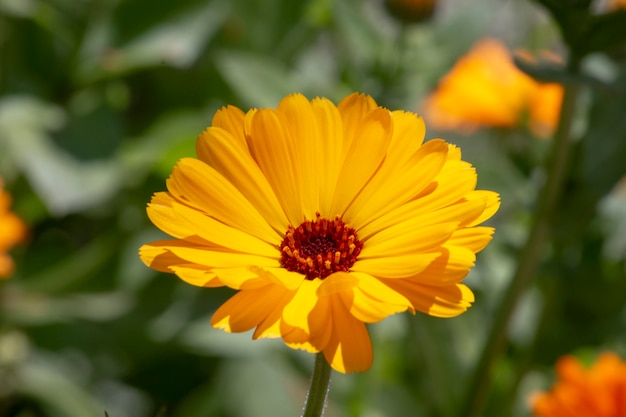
(320, 247)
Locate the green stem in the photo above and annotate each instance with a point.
(316, 398)
(530, 255)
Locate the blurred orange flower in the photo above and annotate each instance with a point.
(599, 391)
(12, 231)
(485, 88)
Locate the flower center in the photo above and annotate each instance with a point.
(320, 247)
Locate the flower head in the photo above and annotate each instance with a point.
(12, 231)
(323, 218)
(485, 88)
(599, 391)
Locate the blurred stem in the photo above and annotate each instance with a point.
(525, 361)
(5, 29)
(316, 398)
(531, 254)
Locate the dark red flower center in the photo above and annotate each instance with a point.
(320, 247)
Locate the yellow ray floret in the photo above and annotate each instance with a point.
(323, 218)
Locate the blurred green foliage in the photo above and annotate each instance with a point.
(99, 99)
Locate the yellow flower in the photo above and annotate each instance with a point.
(12, 231)
(486, 89)
(599, 391)
(323, 218)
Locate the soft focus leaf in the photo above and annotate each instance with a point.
(160, 147)
(65, 184)
(60, 396)
(258, 80)
(177, 42)
(269, 386)
(606, 32)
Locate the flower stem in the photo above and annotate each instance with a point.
(530, 256)
(316, 398)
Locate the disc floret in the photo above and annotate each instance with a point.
(320, 247)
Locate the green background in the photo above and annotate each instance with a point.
(100, 98)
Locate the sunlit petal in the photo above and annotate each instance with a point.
(323, 219)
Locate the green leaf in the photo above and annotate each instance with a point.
(59, 395)
(606, 32)
(550, 72)
(177, 42)
(170, 138)
(599, 165)
(267, 384)
(65, 184)
(258, 80)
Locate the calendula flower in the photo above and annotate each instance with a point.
(323, 218)
(486, 89)
(599, 391)
(12, 231)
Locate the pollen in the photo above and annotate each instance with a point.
(320, 247)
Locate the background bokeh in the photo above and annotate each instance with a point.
(100, 98)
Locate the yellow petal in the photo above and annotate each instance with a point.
(402, 266)
(230, 118)
(353, 110)
(233, 160)
(350, 348)
(492, 204)
(306, 346)
(472, 238)
(321, 324)
(271, 325)
(218, 259)
(373, 301)
(296, 313)
(398, 180)
(248, 308)
(184, 222)
(243, 278)
(366, 153)
(440, 301)
(367, 298)
(276, 152)
(336, 283)
(320, 328)
(451, 185)
(369, 310)
(451, 266)
(202, 187)
(280, 276)
(156, 257)
(406, 238)
(330, 143)
(160, 212)
(227, 268)
(409, 131)
(464, 211)
(195, 275)
(303, 125)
